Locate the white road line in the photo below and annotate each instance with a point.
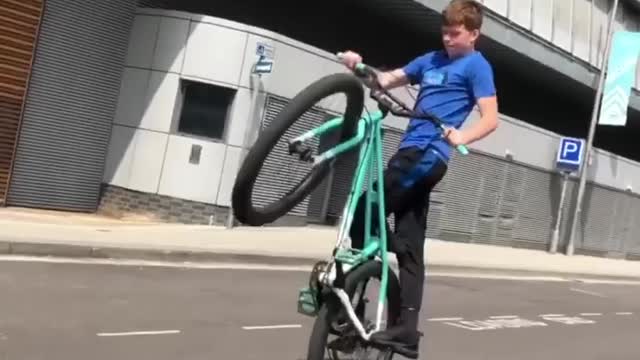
(624, 313)
(588, 292)
(552, 315)
(445, 319)
(272, 327)
(137, 333)
(504, 317)
(590, 314)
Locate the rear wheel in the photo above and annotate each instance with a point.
(333, 333)
(251, 212)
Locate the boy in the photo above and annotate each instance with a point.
(451, 82)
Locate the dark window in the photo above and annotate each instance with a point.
(205, 108)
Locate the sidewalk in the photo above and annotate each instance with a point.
(51, 234)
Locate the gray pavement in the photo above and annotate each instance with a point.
(73, 311)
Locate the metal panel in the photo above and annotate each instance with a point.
(520, 12)
(537, 207)
(562, 23)
(599, 207)
(345, 170)
(279, 173)
(499, 6)
(582, 28)
(19, 21)
(543, 18)
(71, 102)
(461, 197)
(599, 17)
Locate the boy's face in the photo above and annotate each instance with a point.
(458, 40)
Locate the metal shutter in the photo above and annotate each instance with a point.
(599, 207)
(346, 167)
(71, 101)
(19, 22)
(272, 181)
(632, 244)
(538, 206)
(460, 197)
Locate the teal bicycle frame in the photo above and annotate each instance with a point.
(369, 134)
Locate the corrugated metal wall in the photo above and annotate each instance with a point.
(279, 173)
(71, 102)
(19, 23)
(483, 199)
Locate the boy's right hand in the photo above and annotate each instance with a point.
(350, 59)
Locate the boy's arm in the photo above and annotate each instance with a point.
(484, 91)
(488, 120)
(392, 79)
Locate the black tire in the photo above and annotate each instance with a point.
(243, 208)
(331, 307)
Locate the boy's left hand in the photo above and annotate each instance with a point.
(454, 136)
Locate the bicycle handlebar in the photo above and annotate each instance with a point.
(370, 75)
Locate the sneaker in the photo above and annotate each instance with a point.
(401, 340)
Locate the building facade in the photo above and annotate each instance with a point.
(103, 105)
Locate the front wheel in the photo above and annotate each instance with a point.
(253, 213)
(332, 317)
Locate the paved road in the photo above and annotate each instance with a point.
(72, 311)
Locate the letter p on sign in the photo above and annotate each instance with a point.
(569, 154)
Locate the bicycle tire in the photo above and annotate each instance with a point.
(322, 325)
(243, 207)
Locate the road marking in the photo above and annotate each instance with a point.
(137, 333)
(624, 313)
(496, 324)
(569, 320)
(503, 317)
(591, 314)
(272, 327)
(588, 292)
(551, 315)
(446, 319)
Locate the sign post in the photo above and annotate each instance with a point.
(592, 130)
(569, 159)
(263, 65)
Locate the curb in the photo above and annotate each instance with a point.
(95, 252)
(194, 256)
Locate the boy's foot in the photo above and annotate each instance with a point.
(400, 339)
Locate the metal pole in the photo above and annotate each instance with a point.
(556, 232)
(592, 129)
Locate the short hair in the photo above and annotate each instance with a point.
(463, 12)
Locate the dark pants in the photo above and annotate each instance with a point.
(409, 178)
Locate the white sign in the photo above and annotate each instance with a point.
(263, 66)
(265, 50)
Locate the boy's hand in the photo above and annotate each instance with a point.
(350, 59)
(454, 136)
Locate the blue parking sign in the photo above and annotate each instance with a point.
(570, 154)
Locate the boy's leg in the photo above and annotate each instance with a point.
(410, 200)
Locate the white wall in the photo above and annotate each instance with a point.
(146, 153)
(576, 26)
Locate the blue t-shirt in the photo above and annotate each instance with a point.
(448, 89)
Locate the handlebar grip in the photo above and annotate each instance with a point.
(463, 149)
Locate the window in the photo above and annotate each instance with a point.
(205, 108)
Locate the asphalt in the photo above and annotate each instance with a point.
(72, 311)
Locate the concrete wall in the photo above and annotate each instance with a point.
(147, 154)
(575, 26)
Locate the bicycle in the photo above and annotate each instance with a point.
(332, 283)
